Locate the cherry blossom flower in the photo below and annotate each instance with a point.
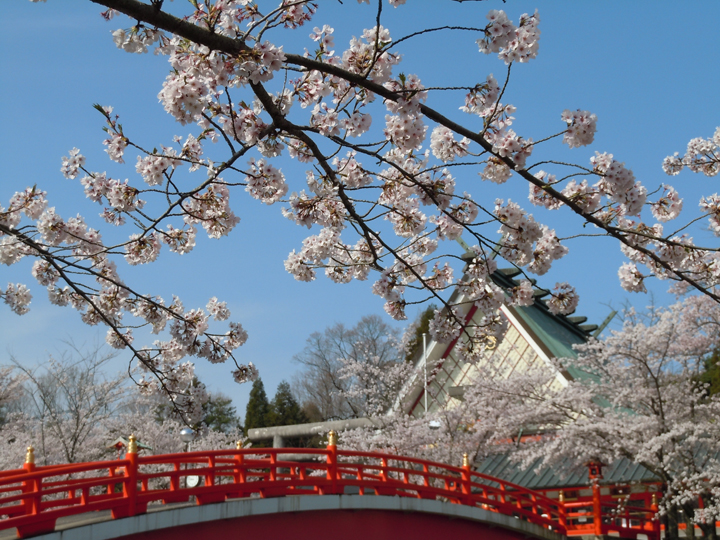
(523, 294)
(18, 297)
(116, 145)
(142, 249)
(668, 206)
(630, 278)
(72, 164)
(564, 299)
(539, 197)
(581, 128)
(444, 147)
(445, 327)
(218, 310)
(265, 182)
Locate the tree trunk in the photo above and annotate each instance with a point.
(708, 529)
(688, 515)
(671, 524)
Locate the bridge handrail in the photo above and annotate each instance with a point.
(33, 498)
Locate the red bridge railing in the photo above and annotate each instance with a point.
(33, 498)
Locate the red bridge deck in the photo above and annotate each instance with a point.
(33, 498)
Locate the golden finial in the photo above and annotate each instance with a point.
(132, 445)
(561, 496)
(332, 438)
(654, 499)
(239, 445)
(466, 460)
(30, 456)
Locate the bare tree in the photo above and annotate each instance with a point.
(10, 391)
(71, 399)
(322, 383)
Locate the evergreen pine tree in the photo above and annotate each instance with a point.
(220, 414)
(711, 373)
(284, 409)
(422, 326)
(258, 407)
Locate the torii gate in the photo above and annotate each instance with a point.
(242, 492)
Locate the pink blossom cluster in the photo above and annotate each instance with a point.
(564, 299)
(668, 206)
(17, 296)
(351, 172)
(519, 231)
(152, 167)
(539, 197)
(116, 145)
(583, 195)
(179, 240)
(701, 156)
(362, 59)
(547, 249)
(265, 182)
(522, 294)
(142, 249)
(212, 210)
(341, 261)
(323, 209)
(507, 144)
(711, 206)
(581, 128)
(445, 327)
(618, 183)
(445, 147)
(72, 164)
(405, 126)
(242, 125)
(630, 278)
(482, 99)
(325, 120)
(406, 131)
(512, 43)
(496, 171)
(136, 39)
(357, 124)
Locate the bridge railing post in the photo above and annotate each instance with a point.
(273, 467)
(239, 476)
(131, 470)
(466, 485)
(210, 477)
(31, 487)
(332, 472)
(595, 474)
(111, 486)
(562, 513)
(655, 521)
(597, 509)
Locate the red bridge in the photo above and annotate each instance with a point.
(242, 492)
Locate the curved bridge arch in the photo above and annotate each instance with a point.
(349, 516)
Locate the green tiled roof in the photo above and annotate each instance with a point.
(557, 336)
(623, 471)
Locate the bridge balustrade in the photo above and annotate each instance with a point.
(33, 498)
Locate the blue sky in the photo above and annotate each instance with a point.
(648, 69)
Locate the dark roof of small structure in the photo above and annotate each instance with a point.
(622, 471)
(122, 442)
